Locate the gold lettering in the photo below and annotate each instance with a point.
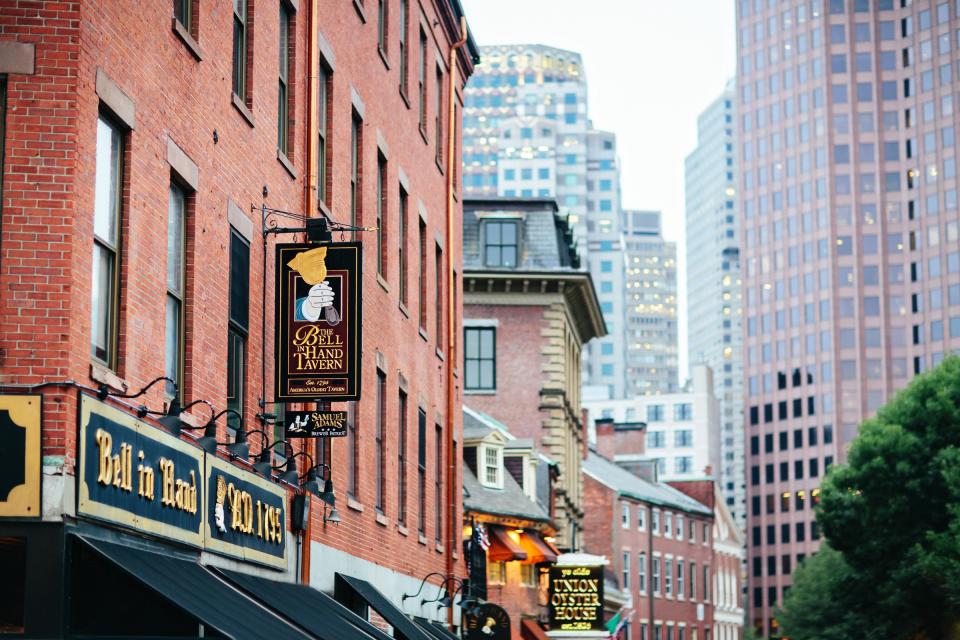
(168, 483)
(105, 445)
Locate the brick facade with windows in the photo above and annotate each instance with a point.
(167, 90)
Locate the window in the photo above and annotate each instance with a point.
(480, 358)
(438, 118)
(324, 83)
(422, 278)
(176, 263)
(353, 454)
(404, 53)
(438, 299)
(356, 169)
(497, 573)
(680, 591)
(423, 82)
(240, 49)
(642, 572)
(286, 47)
(183, 12)
(528, 575)
(422, 471)
(668, 577)
(683, 411)
(641, 517)
(625, 515)
(381, 455)
(693, 580)
(382, 25)
(238, 326)
(500, 243)
(706, 584)
(625, 573)
(679, 527)
(438, 485)
(381, 215)
(655, 413)
(107, 206)
(656, 521)
(656, 575)
(492, 466)
(668, 524)
(402, 248)
(683, 438)
(401, 459)
(683, 464)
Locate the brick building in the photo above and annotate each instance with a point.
(528, 310)
(508, 492)
(659, 543)
(140, 142)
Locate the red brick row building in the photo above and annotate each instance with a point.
(142, 144)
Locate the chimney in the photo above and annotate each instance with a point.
(606, 437)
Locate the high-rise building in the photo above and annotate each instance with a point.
(651, 305)
(713, 282)
(848, 196)
(527, 135)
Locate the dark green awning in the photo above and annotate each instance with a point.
(188, 585)
(403, 627)
(311, 609)
(435, 629)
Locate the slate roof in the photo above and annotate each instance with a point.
(546, 243)
(509, 501)
(624, 482)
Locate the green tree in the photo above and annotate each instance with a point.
(891, 516)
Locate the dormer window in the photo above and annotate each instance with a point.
(492, 461)
(501, 243)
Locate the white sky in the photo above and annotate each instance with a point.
(652, 66)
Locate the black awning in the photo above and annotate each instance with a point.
(311, 609)
(188, 585)
(403, 627)
(435, 629)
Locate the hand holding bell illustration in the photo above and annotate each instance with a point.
(318, 303)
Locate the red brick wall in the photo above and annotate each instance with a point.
(518, 599)
(605, 535)
(48, 202)
(612, 441)
(517, 398)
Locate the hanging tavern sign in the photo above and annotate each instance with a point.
(318, 322)
(314, 424)
(576, 598)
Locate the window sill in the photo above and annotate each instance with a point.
(324, 209)
(423, 334)
(402, 530)
(404, 310)
(479, 392)
(359, 7)
(438, 548)
(439, 162)
(406, 99)
(383, 283)
(422, 539)
(423, 134)
(382, 520)
(354, 505)
(383, 57)
(242, 108)
(187, 39)
(440, 353)
(285, 161)
(102, 374)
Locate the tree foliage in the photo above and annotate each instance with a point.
(891, 517)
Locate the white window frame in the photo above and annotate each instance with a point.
(625, 514)
(483, 465)
(679, 528)
(655, 522)
(641, 517)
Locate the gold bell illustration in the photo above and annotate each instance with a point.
(311, 265)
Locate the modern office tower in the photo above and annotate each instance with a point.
(651, 305)
(713, 282)
(848, 196)
(527, 135)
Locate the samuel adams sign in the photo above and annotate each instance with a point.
(576, 598)
(318, 322)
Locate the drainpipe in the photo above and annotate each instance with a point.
(452, 525)
(309, 194)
